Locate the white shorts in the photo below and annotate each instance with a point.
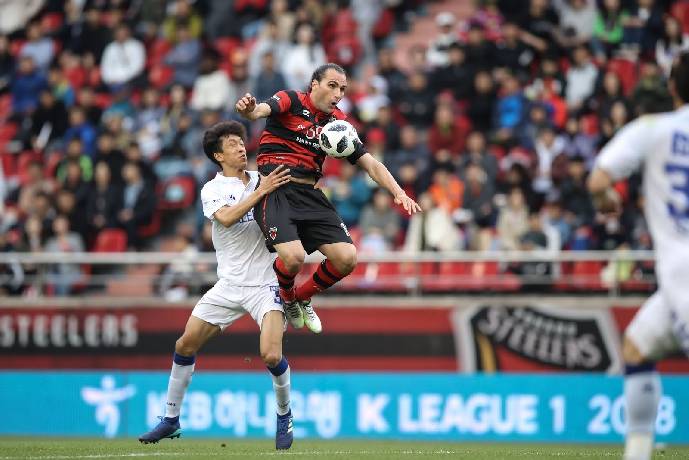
(659, 327)
(224, 303)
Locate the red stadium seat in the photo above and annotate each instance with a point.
(151, 229)
(627, 71)
(680, 10)
(51, 22)
(177, 193)
(157, 52)
(226, 46)
(160, 76)
(111, 240)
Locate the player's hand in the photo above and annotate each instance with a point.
(246, 105)
(407, 203)
(608, 202)
(279, 177)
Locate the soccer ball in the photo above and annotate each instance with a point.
(337, 139)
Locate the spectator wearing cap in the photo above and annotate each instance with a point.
(123, 60)
(437, 54)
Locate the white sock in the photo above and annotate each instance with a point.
(180, 377)
(281, 386)
(642, 393)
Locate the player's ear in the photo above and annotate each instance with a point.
(218, 156)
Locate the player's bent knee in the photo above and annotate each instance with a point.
(346, 262)
(293, 261)
(630, 353)
(271, 358)
(186, 347)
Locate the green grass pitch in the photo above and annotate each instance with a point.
(60, 448)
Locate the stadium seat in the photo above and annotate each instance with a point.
(111, 240)
(51, 22)
(156, 52)
(626, 70)
(177, 193)
(160, 76)
(226, 46)
(680, 10)
(151, 229)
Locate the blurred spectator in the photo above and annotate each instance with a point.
(511, 53)
(302, 58)
(73, 180)
(391, 130)
(548, 146)
(87, 101)
(411, 150)
(61, 86)
(651, 94)
(6, 64)
(577, 20)
(511, 107)
(212, 87)
(375, 97)
(123, 60)
(138, 203)
(478, 199)
(64, 276)
(11, 271)
(438, 50)
(112, 157)
(80, 128)
(220, 19)
(642, 27)
(446, 189)
(26, 87)
(482, 102)
(538, 23)
(239, 80)
(577, 143)
(555, 218)
(608, 28)
(184, 57)
(38, 47)
(512, 220)
(48, 122)
(272, 41)
(607, 93)
(574, 195)
(283, 18)
(183, 17)
(431, 230)
(456, 75)
(480, 53)
(16, 13)
(379, 223)
(179, 277)
(416, 103)
(34, 184)
(88, 36)
(66, 205)
(269, 80)
(387, 68)
(148, 123)
(448, 131)
(349, 193)
(671, 42)
(476, 154)
(581, 78)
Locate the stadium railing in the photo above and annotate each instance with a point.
(183, 277)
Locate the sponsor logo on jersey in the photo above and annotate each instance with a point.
(273, 233)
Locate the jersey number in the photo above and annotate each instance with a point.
(678, 206)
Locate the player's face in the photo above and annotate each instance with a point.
(326, 93)
(233, 152)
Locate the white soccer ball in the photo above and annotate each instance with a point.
(337, 139)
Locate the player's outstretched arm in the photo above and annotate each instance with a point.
(229, 215)
(382, 176)
(247, 107)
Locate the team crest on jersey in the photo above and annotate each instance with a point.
(273, 233)
(344, 227)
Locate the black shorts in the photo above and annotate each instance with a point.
(299, 212)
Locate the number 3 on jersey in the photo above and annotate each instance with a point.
(678, 205)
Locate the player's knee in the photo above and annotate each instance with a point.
(271, 357)
(346, 263)
(185, 347)
(293, 261)
(630, 353)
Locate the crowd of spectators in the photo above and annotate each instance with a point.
(492, 124)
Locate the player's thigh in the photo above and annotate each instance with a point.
(196, 333)
(273, 214)
(220, 306)
(651, 329)
(342, 255)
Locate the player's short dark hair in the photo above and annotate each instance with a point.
(212, 138)
(680, 76)
(319, 73)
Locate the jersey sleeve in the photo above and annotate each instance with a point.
(625, 152)
(212, 200)
(279, 102)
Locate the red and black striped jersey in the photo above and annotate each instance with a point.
(291, 135)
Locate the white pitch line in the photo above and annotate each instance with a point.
(233, 454)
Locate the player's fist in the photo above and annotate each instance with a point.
(608, 202)
(245, 105)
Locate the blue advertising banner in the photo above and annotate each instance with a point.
(558, 408)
